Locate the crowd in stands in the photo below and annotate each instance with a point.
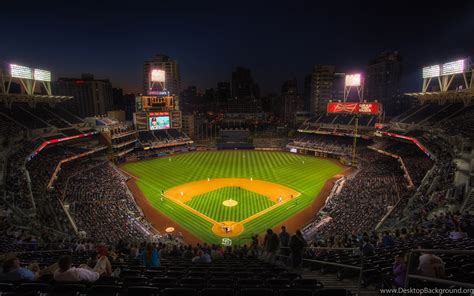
(417, 163)
(162, 137)
(16, 188)
(50, 118)
(329, 144)
(101, 194)
(9, 128)
(377, 185)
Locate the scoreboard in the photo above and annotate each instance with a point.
(157, 120)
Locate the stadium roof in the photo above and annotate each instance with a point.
(462, 95)
(25, 98)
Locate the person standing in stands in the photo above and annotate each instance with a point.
(399, 271)
(150, 256)
(284, 237)
(430, 265)
(297, 244)
(271, 245)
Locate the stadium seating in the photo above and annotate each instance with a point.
(35, 224)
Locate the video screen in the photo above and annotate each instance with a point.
(159, 122)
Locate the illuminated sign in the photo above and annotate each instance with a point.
(453, 67)
(157, 75)
(55, 141)
(158, 120)
(354, 108)
(413, 140)
(42, 75)
(23, 72)
(353, 80)
(159, 92)
(431, 71)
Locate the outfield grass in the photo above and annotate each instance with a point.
(304, 174)
(249, 203)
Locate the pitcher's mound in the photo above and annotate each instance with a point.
(230, 203)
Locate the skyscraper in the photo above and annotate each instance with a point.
(172, 74)
(382, 78)
(292, 101)
(322, 80)
(245, 92)
(307, 92)
(243, 86)
(91, 96)
(223, 92)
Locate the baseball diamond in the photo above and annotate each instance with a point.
(267, 188)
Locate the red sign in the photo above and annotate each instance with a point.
(379, 125)
(413, 140)
(54, 141)
(155, 114)
(354, 108)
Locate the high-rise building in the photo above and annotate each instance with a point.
(322, 80)
(124, 102)
(382, 78)
(307, 92)
(292, 101)
(290, 86)
(172, 74)
(243, 86)
(91, 96)
(338, 86)
(223, 91)
(245, 92)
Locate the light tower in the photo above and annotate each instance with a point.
(157, 76)
(27, 77)
(354, 81)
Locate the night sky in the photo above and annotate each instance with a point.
(275, 39)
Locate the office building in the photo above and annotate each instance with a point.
(382, 78)
(92, 97)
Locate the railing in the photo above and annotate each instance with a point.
(341, 265)
(409, 264)
(433, 279)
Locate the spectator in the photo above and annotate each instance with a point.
(387, 239)
(188, 253)
(457, 234)
(12, 271)
(297, 244)
(284, 238)
(150, 256)
(271, 244)
(367, 248)
(399, 271)
(201, 257)
(67, 273)
(430, 265)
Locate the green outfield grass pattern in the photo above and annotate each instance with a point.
(306, 174)
(249, 203)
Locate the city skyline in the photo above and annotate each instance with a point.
(275, 42)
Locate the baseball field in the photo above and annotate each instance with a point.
(231, 194)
